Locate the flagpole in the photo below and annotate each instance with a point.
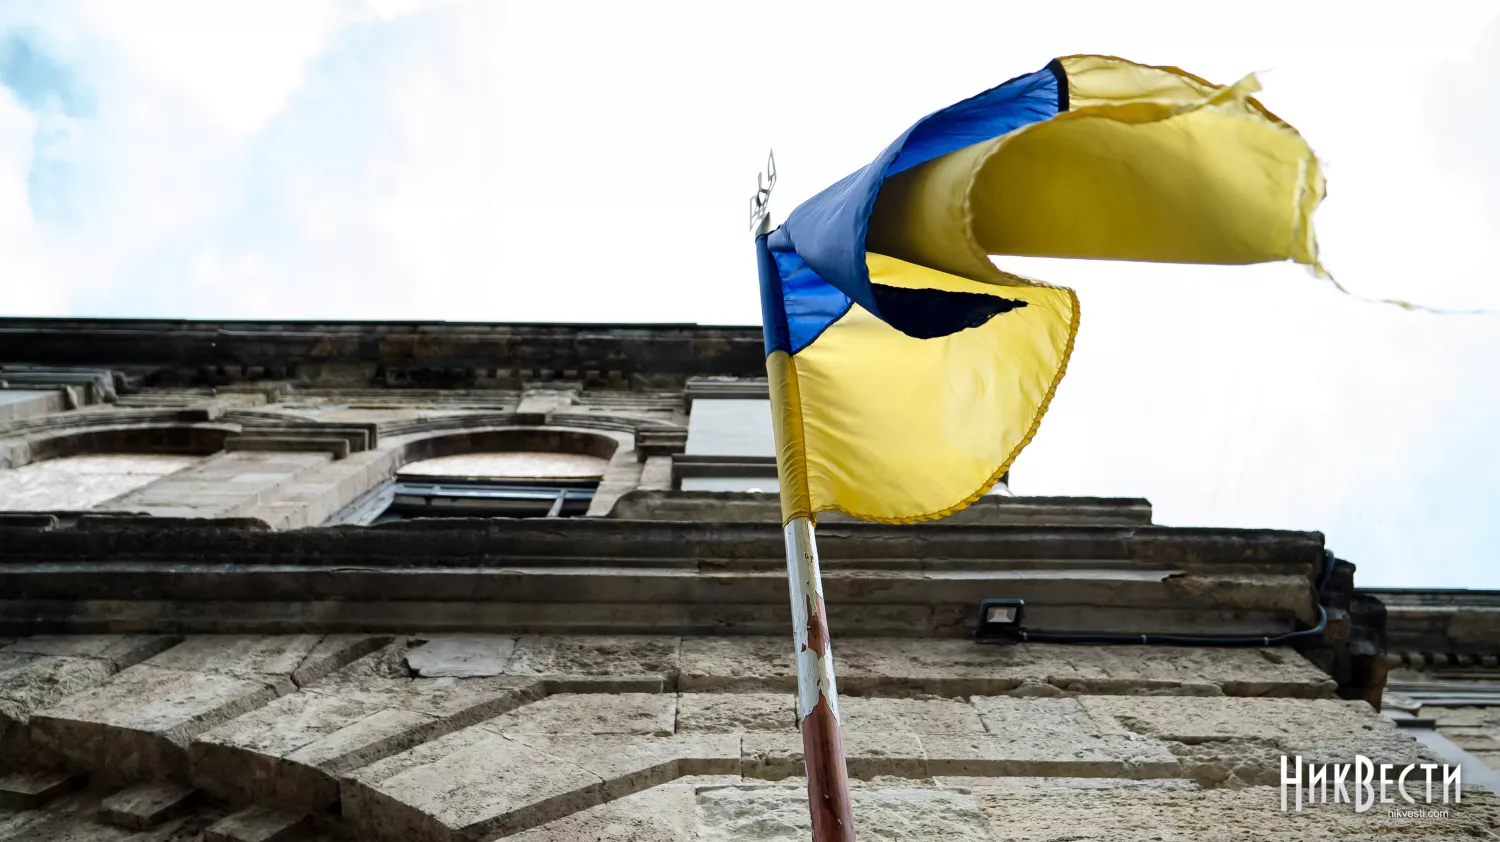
(817, 692)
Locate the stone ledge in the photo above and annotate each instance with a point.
(894, 666)
(338, 448)
(288, 752)
(138, 725)
(266, 599)
(38, 672)
(745, 507)
(29, 790)
(291, 751)
(355, 353)
(462, 540)
(476, 783)
(257, 824)
(119, 651)
(146, 805)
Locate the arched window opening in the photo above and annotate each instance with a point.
(525, 483)
(80, 483)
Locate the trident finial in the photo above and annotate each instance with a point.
(760, 203)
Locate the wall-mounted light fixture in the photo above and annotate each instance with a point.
(999, 620)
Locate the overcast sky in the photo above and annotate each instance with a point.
(401, 159)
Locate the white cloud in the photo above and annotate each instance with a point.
(393, 9)
(237, 62)
(24, 253)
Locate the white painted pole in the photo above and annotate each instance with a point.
(817, 690)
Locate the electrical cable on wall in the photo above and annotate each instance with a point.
(1022, 635)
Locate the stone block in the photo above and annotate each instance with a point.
(988, 756)
(31, 682)
(1202, 720)
(913, 716)
(469, 784)
(382, 680)
(737, 664)
(282, 516)
(288, 752)
(333, 652)
(881, 814)
(776, 756)
(477, 783)
(292, 751)
(942, 667)
(1237, 742)
(120, 650)
(960, 667)
(29, 790)
(1474, 739)
(138, 725)
(628, 764)
(240, 654)
(257, 824)
(952, 668)
(735, 713)
(601, 655)
(1060, 811)
(730, 713)
(146, 805)
(1047, 737)
(1013, 718)
(461, 655)
(650, 714)
(68, 818)
(1463, 717)
(34, 681)
(664, 813)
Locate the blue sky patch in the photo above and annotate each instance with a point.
(39, 82)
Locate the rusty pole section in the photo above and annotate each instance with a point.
(817, 694)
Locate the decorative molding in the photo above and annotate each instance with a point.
(337, 447)
(698, 465)
(397, 355)
(710, 388)
(357, 436)
(659, 441)
(83, 386)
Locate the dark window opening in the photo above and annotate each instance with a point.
(424, 497)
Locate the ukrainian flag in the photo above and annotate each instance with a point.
(906, 370)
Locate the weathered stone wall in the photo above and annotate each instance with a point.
(296, 457)
(245, 677)
(469, 737)
(79, 483)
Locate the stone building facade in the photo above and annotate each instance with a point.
(466, 582)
